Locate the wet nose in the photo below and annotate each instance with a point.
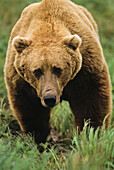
(50, 100)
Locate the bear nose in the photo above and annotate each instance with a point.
(50, 100)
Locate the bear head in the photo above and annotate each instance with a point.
(48, 65)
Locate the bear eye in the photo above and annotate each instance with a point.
(57, 71)
(38, 72)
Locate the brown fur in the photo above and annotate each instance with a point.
(54, 50)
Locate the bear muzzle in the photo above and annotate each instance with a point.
(50, 100)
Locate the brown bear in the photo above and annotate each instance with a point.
(54, 54)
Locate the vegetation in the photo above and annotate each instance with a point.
(72, 151)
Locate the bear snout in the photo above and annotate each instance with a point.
(50, 100)
(50, 97)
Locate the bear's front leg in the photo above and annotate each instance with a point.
(31, 115)
(90, 98)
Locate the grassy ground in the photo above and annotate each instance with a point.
(83, 151)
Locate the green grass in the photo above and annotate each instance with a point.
(73, 151)
(84, 151)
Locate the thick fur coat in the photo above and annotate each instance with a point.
(54, 54)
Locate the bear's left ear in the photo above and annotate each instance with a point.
(20, 43)
(73, 41)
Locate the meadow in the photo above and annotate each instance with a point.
(71, 151)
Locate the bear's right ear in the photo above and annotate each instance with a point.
(73, 41)
(20, 43)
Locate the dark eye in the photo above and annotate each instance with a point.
(38, 73)
(57, 71)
